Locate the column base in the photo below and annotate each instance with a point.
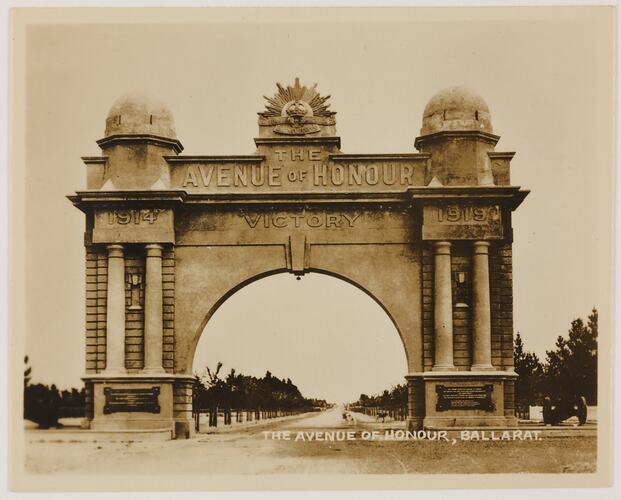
(114, 372)
(443, 368)
(482, 368)
(153, 371)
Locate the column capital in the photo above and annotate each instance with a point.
(154, 249)
(481, 247)
(442, 247)
(115, 250)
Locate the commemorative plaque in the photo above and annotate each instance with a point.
(465, 397)
(131, 400)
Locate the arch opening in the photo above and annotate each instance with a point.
(330, 336)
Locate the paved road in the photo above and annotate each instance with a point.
(331, 419)
(319, 450)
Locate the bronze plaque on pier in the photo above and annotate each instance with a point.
(465, 397)
(131, 400)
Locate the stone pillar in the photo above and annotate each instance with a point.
(481, 321)
(184, 422)
(443, 307)
(153, 310)
(115, 311)
(416, 402)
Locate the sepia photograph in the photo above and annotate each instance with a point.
(311, 248)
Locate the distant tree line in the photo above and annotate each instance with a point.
(570, 369)
(239, 391)
(44, 404)
(396, 397)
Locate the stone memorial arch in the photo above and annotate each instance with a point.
(427, 235)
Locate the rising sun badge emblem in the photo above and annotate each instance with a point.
(297, 110)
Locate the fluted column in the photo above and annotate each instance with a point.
(115, 311)
(481, 321)
(443, 307)
(153, 310)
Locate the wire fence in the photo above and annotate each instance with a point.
(209, 417)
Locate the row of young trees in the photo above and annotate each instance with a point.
(45, 404)
(396, 397)
(245, 392)
(570, 369)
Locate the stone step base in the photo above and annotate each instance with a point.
(91, 436)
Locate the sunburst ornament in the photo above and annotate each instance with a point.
(297, 110)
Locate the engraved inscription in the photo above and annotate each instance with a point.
(465, 397)
(232, 176)
(301, 220)
(315, 173)
(128, 225)
(143, 400)
(462, 222)
(298, 154)
(124, 217)
(468, 214)
(358, 175)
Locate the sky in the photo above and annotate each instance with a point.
(545, 76)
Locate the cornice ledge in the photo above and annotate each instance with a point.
(87, 199)
(512, 194)
(148, 138)
(443, 134)
(435, 191)
(495, 374)
(132, 193)
(216, 159)
(94, 159)
(508, 155)
(298, 140)
(295, 198)
(379, 156)
(138, 377)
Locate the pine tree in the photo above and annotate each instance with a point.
(571, 369)
(529, 370)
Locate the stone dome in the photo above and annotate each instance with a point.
(136, 113)
(456, 108)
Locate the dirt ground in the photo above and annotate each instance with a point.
(253, 451)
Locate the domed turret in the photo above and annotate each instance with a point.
(140, 134)
(456, 108)
(136, 113)
(457, 133)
